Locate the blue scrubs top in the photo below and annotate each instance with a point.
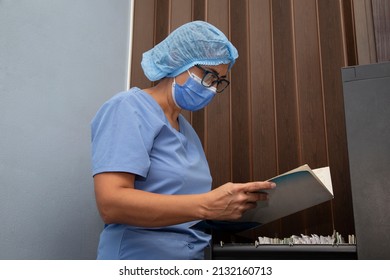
(130, 133)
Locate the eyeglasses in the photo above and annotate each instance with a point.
(211, 78)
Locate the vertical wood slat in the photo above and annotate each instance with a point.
(162, 19)
(308, 79)
(143, 40)
(240, 98)
(381, 15)
(364, 28)
(285, 91)
(217, 113)
(286, 100)
(332, 60)
(198, 119)
(264, 148)
(199, 9)
(349, 32)
(180, 13)
(312, 132)
(284, 107)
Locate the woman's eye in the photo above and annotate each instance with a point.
(210, 78)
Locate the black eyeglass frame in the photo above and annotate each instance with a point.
(218, 80)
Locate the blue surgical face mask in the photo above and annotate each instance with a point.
(192, 95)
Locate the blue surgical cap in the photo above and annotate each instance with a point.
(194, 43)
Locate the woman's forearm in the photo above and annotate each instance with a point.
(118, 202)
(140, 208)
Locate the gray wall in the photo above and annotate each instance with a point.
(59, 61)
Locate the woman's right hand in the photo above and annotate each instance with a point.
(231, 200)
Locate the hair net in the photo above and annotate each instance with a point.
(193, 43)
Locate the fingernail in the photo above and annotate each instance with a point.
(273, 185)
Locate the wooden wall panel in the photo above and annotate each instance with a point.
(162, 20)
(264, 148)
(285, 90)
(349, 31)
(181, 12)
(218, 140)
(364, 29)
(284, 107)
(372, 30)
(143, 39)
(312, 131)
(308, 84)
(332, 59)
(199, 9)
(381, 19)
(240, 98)
(287, 126)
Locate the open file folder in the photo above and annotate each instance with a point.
(296, 190)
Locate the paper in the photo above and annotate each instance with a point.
(295, 190)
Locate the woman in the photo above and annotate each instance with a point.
(152, 181)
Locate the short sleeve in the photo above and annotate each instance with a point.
(121, 139)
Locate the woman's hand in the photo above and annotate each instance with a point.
(230, 201)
